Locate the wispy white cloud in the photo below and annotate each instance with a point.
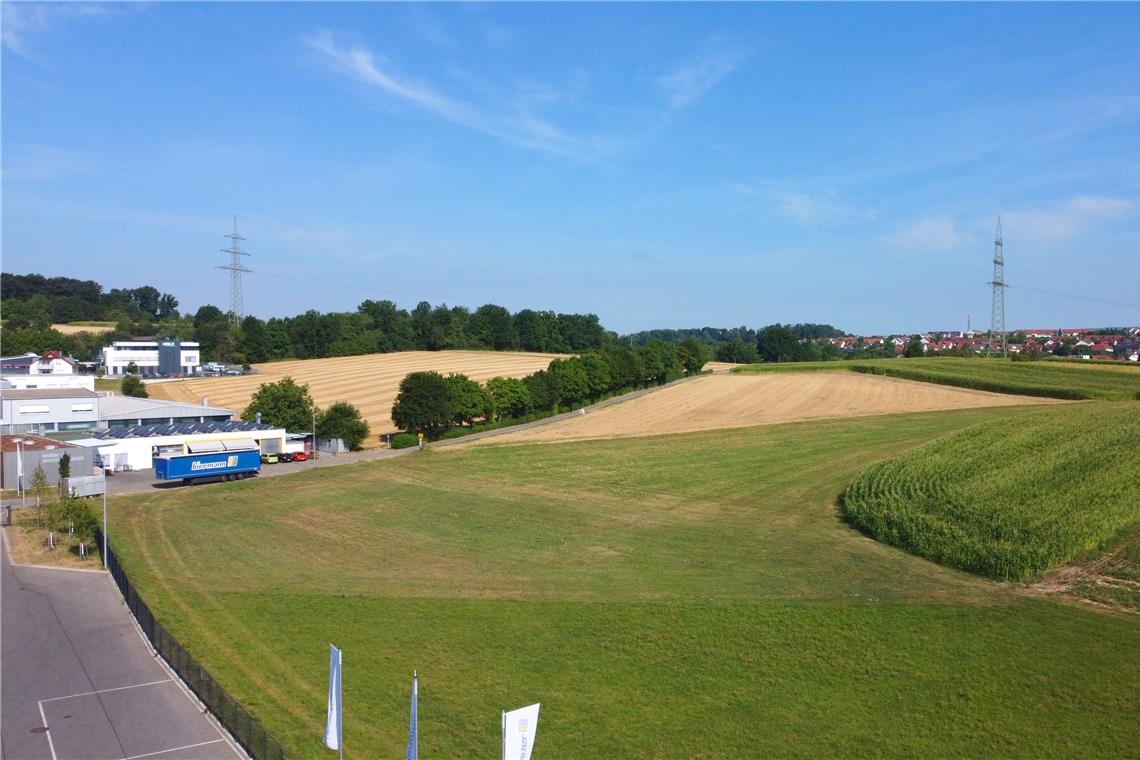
(513, 121)
(45, 163)
(1064, 221)
(695, 76)
(22, 21)
(938, 233)
(802, 207)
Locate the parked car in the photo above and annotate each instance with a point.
(284, 456)
(300, 456)
(269, 459)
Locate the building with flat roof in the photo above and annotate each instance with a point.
(30, 451)
(154, 358)
(48, 410)
(128, 411)
(134, 448)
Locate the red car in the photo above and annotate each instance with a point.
(300, 456)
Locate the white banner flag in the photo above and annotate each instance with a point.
(332, 726)
(519, 727)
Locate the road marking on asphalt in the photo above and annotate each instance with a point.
(174, 749)
(104, 691)
(47, 731)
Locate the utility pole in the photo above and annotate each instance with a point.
(235, 269)
(997, 314)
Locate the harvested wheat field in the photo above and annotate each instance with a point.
(75, 329)
(370, 382)
(713, 402)
(720, 366)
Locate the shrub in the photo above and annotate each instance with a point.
(404, 440)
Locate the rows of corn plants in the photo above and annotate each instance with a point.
(1047, 378)
(1009, 499)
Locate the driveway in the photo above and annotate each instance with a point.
(79, 682)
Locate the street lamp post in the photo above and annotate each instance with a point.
(104, 522)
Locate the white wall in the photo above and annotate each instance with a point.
(23, 382)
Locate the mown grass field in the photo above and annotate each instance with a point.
(683, 596)
(369, 382)
(1054, 379)
(1013, 498)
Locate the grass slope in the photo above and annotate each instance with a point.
(683, 596)
(1052, 379)
(1009, 499)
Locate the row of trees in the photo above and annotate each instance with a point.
(287, 405)
(431, 403)
(382, 327)
(33, 300)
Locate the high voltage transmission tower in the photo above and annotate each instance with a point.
(235, 268)
(997, 315)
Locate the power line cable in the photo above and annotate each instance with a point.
(1074, 296)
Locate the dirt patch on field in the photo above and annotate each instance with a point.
(29, 546)
(715, 402)
(370, 382)
(1109, 582)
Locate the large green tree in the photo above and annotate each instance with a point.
(510, 397)
(777, 344)
(342, 420)
(469, 400)
(133, 386)
(693, 355)
(569, 379)
(423, 403)
(283, 404)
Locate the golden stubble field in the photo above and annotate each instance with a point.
(714, 402)
(370, 382)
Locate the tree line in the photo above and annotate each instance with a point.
(432, 403)
(32, 303)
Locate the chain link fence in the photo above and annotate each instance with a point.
(242, 726)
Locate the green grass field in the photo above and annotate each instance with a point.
(1013, 498)
(682, 596)
(1118, 381)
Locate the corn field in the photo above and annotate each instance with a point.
(1009, 499)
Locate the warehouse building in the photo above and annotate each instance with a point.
(33, 451)
(153, 358)
(129, 411)
(48, 410)
(133, 448)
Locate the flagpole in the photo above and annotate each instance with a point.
(503, 733)
(20, 473)
(340, 705)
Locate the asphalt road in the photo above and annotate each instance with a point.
(78, 680)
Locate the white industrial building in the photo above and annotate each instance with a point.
(133, 448)
(52, 370)
(36, 382)
(48, 410)
(169, 358)
(128, 411)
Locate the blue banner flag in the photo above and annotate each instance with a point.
(413, 728)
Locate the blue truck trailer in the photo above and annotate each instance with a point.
(227, 464)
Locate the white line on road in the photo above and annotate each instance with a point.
(174, 749)
(104, 691)
(47, 731)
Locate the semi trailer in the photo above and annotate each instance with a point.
(211, 460)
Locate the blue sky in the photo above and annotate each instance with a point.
(660, 165)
